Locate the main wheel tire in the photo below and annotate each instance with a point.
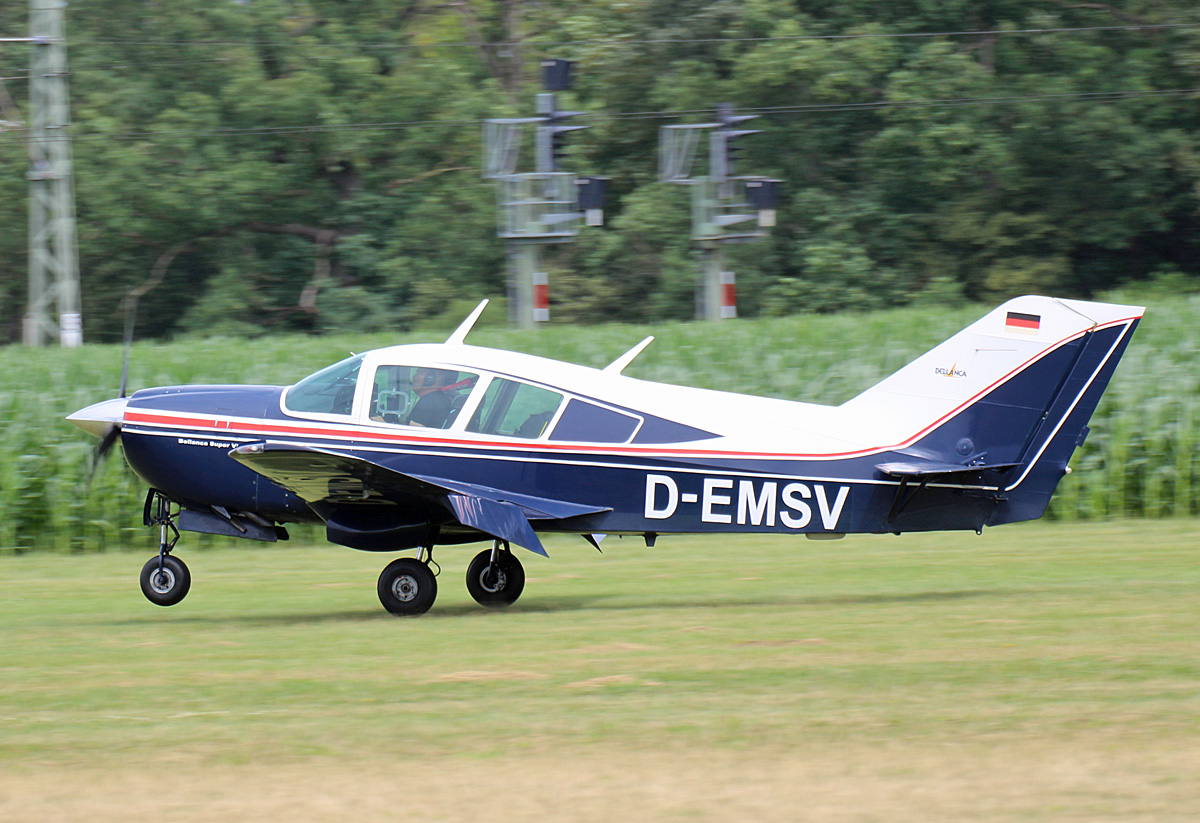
(167, 586)
(495, 587)
(407, 587)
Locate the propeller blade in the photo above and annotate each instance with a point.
(124, 372)
(130, 321)
(106, 443)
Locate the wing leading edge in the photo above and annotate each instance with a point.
(326, 478)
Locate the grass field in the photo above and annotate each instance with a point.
(1036, 673)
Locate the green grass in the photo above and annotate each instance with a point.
(1038, 672)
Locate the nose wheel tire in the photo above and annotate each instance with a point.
(495, 585)
(167, 584)
(407, 587)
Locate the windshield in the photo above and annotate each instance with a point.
(329, 391)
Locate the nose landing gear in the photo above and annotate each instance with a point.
(165, 579)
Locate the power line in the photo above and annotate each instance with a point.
(657, 41)
(807, 108)
(962, 101)
(560, 44)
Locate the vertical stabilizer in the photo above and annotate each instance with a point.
(1014, 390)
(1012, 360)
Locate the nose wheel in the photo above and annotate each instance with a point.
(166, 580)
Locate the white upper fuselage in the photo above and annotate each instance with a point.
(891, 414)
(742, 422)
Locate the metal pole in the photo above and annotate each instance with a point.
(525, 259)
(53, 256)
(709, 302)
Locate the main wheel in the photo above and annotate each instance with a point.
(407, 587)
(495, 586)
(168, 585)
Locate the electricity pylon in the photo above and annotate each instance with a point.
(53, 255)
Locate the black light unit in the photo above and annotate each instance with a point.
(763, 196)
(592, 192)
(556, 75)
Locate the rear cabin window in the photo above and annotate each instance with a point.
(419, 396)
(588, 423)
(329, 391)
(514, 409)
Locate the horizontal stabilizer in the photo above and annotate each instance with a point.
(930, 468)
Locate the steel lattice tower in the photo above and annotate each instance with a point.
(53, 258)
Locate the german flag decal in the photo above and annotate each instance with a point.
(1023, 323)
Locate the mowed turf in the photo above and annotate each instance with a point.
(1035, 673)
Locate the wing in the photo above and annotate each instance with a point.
(325, 478)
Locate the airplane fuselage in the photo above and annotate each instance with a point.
(421, 445)
(178, 440)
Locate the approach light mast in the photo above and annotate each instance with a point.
(543, 207)
(722, 201)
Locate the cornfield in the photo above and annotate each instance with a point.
(1139, 461)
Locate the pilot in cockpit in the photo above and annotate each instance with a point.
(433, 402)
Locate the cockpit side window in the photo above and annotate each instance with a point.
(515, 409)
(588, 423)
(419, 396)
(329, 391)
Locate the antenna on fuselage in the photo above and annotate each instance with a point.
(617, 366)
(460, 333)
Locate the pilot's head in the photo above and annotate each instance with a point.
(430, 380)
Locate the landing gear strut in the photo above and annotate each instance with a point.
(495, 577)
(165, 579)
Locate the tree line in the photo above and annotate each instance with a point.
(274, 165)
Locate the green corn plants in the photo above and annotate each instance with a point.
(1139, 460)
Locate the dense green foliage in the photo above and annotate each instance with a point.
(1140, 460)
(253, 155)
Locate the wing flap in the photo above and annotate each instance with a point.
(535, 508)
(502, 520)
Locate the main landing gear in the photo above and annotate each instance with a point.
(165, 579)
(495, 577)
(408, 586)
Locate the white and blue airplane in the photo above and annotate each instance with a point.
(416, 446)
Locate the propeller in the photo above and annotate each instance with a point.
(103, 419)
